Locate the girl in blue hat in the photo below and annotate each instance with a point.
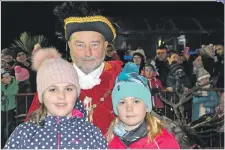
(135, 127)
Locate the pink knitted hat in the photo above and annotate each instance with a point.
(21, 74)
(52, 69)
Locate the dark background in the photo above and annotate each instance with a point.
(37, 17)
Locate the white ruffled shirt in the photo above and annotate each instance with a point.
(88, 81)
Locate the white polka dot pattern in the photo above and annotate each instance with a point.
(75, 133)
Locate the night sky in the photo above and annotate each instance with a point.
(37, 17)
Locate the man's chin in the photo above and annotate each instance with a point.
(87, 70)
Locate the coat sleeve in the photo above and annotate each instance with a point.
(170, 82)
(13, 89)
(99, 139)
(202, 99)
(15, 140)
(213, 100)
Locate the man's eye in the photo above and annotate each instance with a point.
(80, 45)
(95, 45)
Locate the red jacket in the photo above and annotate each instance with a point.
(156, 101)
(163, 141)
(103, 113)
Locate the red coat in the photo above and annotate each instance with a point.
(156, 101)
(163, 141)
(103, 113)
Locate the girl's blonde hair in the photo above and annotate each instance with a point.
(154, 127)
(38, 115)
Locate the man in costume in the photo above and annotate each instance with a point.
(88, 34)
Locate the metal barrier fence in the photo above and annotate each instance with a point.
(216, 141)
(24, 101)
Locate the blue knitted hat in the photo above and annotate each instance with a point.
(130, 84)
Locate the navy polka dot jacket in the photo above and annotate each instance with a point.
(57, 133)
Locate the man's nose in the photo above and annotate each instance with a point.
(88, 52)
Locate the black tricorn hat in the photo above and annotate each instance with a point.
(77, 16)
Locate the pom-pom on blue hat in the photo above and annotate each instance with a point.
(130, 84)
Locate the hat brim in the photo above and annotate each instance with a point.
(203, 77)
(98, 24)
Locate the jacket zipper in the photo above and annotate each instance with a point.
(58, 130)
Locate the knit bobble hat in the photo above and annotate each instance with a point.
(52, 69)
(21, 74)
(202, 74)
(130, 84)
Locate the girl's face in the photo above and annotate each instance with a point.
(173, 57)
(198, 62)
(204, 81)
(212, 52)
(60, 99)
(109, 51)
(131, 112)
(137, 60)
(21, 57)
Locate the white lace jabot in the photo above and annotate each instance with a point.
(88, 81)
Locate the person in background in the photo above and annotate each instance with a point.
(23, 62)
(162, 64)
(139, 59)
(176, 77)
(111, 53)
(155, 87)
(177, 81)
(22, 76)
(4, 63)
(9, 90)
(209, 61)
(56, 124)
(207, 101)
(193, 63)
(135, 127)
(220, 56)
(8, 56)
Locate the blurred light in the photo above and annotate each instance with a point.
(159, 42)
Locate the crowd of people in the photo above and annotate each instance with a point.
(97, 101)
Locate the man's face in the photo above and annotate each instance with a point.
(219, 50)
(8, 58)
(87, 50)
(161, 55)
